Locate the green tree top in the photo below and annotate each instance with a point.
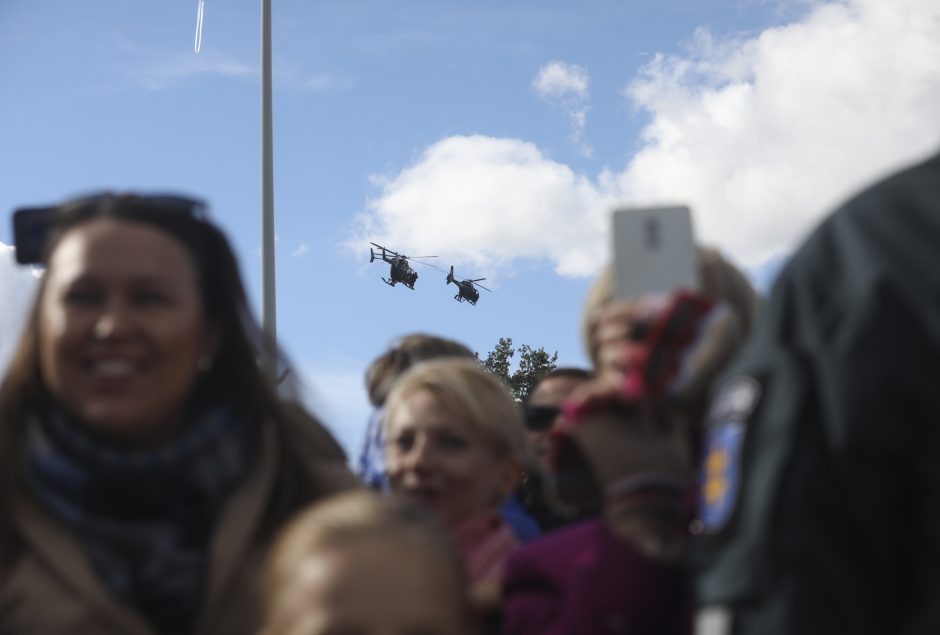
(533, 365)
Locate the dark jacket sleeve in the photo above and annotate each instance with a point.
(835, 519)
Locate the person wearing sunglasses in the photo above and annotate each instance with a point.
(146, 459)
(554, 494)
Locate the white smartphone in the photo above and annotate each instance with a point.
(654, 251)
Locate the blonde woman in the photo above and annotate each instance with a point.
(454, 441)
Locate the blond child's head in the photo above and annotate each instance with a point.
(358, 563)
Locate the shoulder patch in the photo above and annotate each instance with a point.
(720, 480)
(721, 474)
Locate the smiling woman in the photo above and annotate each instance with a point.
(455, 443)
(146, 461)
(122, 333)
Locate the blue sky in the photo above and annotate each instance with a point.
(496, 135)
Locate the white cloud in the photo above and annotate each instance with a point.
(161, 72)
(763, 135)
(760, 135)
(322, 83)
(558, 80)
(155, 71)
(17, 286)
(293, 76)
(567, 84)
(480, 202)
(300, 250)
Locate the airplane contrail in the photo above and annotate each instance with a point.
(199, 14)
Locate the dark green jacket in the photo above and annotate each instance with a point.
(821, 490)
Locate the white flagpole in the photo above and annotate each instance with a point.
(269, 310)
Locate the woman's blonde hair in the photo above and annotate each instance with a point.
(718, 279)
(465, 387)
(347, 519)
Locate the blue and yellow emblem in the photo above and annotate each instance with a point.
(720, 482)
(721, 474)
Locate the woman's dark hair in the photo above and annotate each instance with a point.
(234, 376)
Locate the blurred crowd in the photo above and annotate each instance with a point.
(728, 464)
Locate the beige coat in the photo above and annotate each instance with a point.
(52, 590)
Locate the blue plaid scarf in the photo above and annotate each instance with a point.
(143, 517)
(372, 458)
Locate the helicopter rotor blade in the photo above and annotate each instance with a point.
(477, 284)
(386, 250)
(428, 264)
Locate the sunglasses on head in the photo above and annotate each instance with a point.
(539, 417)
(31, 225)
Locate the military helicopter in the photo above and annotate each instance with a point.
(401, 271)
(466, 289)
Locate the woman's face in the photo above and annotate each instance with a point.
(369, 587)
(121, 328)
(433, 454)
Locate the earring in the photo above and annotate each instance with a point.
(204, 363)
